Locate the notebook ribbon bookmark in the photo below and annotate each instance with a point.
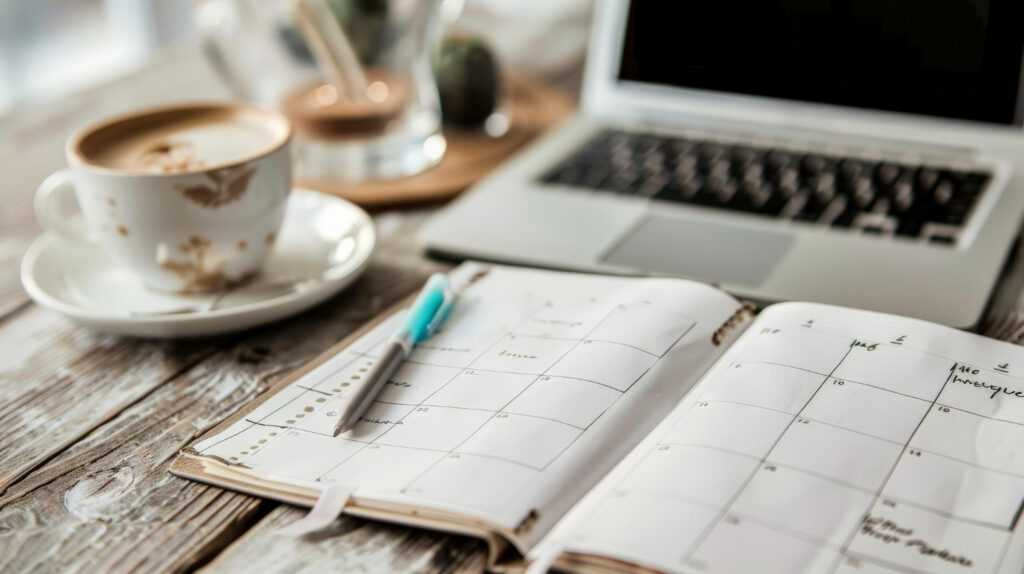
(327, 508)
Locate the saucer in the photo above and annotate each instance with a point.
(323, 245)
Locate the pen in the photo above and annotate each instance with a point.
(426, 314)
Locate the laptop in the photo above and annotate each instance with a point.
(866, 154)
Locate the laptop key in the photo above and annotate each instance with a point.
(650, 187)
(824, 189)
(812, 209)
(707, 195)
(972, 184)
(772, 207)
(846, 218)
(778, 160)
(622, 181)
(566, 176)
(909, 227)
(926, 179)
(886, 174)
(851, 169)
(680, 191)
(813, 165)
(741, 156)
(593, 178)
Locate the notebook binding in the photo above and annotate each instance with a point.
(746, 309)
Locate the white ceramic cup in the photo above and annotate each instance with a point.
(191, 230)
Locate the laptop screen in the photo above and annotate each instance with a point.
(951, 58)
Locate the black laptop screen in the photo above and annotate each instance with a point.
(952, 58)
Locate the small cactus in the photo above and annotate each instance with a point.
(468, 80)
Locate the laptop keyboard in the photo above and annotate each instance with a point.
(882, 198)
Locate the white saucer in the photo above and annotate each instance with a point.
(324, 244)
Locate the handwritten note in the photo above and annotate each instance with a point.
(828, 440)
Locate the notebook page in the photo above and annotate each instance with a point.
(827, 440)
(539, 383)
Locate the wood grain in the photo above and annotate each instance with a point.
(108, 502)
(59, 382)
(349, 545)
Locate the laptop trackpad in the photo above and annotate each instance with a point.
(713, 252)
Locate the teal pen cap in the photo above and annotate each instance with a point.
(430, 309)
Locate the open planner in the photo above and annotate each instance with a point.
(630, 424)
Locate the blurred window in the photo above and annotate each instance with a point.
(49, 48)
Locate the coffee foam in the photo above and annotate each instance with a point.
(182, 140)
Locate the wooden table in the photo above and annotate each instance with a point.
(93, 421)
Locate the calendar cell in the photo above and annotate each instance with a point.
(840, 454)
(700, 474)
(485, 390)
(742, 546)
(777, 495)
(738, 428)
(473, 482)
(616, 366)
(865, 409)
(532, 441)
(642, 326)
(897, 369)
(956, 488)
(801, 349)
(435, 428)
(909, 537)
(775, 387)
(571, 401)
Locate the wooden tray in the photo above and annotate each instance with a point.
(470, 154)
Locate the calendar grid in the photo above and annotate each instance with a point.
(320, 383)
(577, 342)
(886, 423)
(830, 442)
(374, 441)
(961, 409)
(818, 421)
(849, 539)
(692, 548)
(493, 413)
(686, 332)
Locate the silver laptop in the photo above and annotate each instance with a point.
(849, 153)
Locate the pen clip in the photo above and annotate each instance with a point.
(429, 310)
(442, 312)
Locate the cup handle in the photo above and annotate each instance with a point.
(54, 191)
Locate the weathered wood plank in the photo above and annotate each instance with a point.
(349, 545)
(108, 502)
(59, 382)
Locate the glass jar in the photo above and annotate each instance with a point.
(257, 48)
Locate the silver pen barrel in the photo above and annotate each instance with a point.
(392, 355)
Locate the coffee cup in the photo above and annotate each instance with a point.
(189, 198)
